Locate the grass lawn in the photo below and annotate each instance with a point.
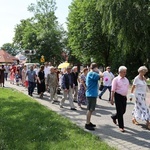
(27, 125)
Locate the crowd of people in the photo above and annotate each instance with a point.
(83, 88)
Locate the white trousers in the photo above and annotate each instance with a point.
(69, 94)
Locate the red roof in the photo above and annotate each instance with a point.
(5, 57)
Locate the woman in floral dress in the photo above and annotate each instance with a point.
(81, 92)
(141, 109)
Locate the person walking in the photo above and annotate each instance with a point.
(120, 85)
(67, 87)
(107, 81)
(91, 93)
(6, 72)
(12, 76)
(141, 109)
(46, 69)
(41, 81)
(36, 69)
(31, 80)
(17, 77)
(52, 84)
(2, 76)
(75, 82)
(81, 92)
(23, 74)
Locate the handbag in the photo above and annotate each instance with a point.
(101, 86)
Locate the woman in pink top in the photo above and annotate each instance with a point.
(141, 109)
(119, 90)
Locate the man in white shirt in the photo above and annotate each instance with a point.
(107, 81)
(36, 69)
(46, 70)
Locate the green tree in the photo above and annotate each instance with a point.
(10, 48)
(42, 32)
(50, 34)
(129, 21)
(85, 37)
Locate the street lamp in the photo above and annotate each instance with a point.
(29, 53)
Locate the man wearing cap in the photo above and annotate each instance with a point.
(67, 86)
(107, 81)
(91, 93)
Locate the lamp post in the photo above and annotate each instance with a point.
(29, 53)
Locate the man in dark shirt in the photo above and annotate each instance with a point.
(2, 69)
(67, 86)
(75, 82)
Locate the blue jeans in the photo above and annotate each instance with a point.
(6, 75)
(31, 87)
(103, 91)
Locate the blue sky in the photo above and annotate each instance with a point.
(12, 11)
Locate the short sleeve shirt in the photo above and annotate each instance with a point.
(92, 84)
(140, 85)
(108, 77)
(31, 75)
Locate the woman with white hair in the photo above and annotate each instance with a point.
(141, 110)
(52, 84)
(119, 92)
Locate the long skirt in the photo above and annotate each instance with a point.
(141, 109)
(40, 87)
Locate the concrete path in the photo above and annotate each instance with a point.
(136, 137)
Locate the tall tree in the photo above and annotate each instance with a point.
(49, 33)
(85, 37)
(42, 32)
(129, 21)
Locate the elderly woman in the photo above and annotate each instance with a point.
(41, 81)
(141, 110)
(82, 89)
(52, 84)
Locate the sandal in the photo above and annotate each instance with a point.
(134, 122)
(148, 125)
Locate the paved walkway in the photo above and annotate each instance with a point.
(135, 137)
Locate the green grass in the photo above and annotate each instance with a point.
(27, 125)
